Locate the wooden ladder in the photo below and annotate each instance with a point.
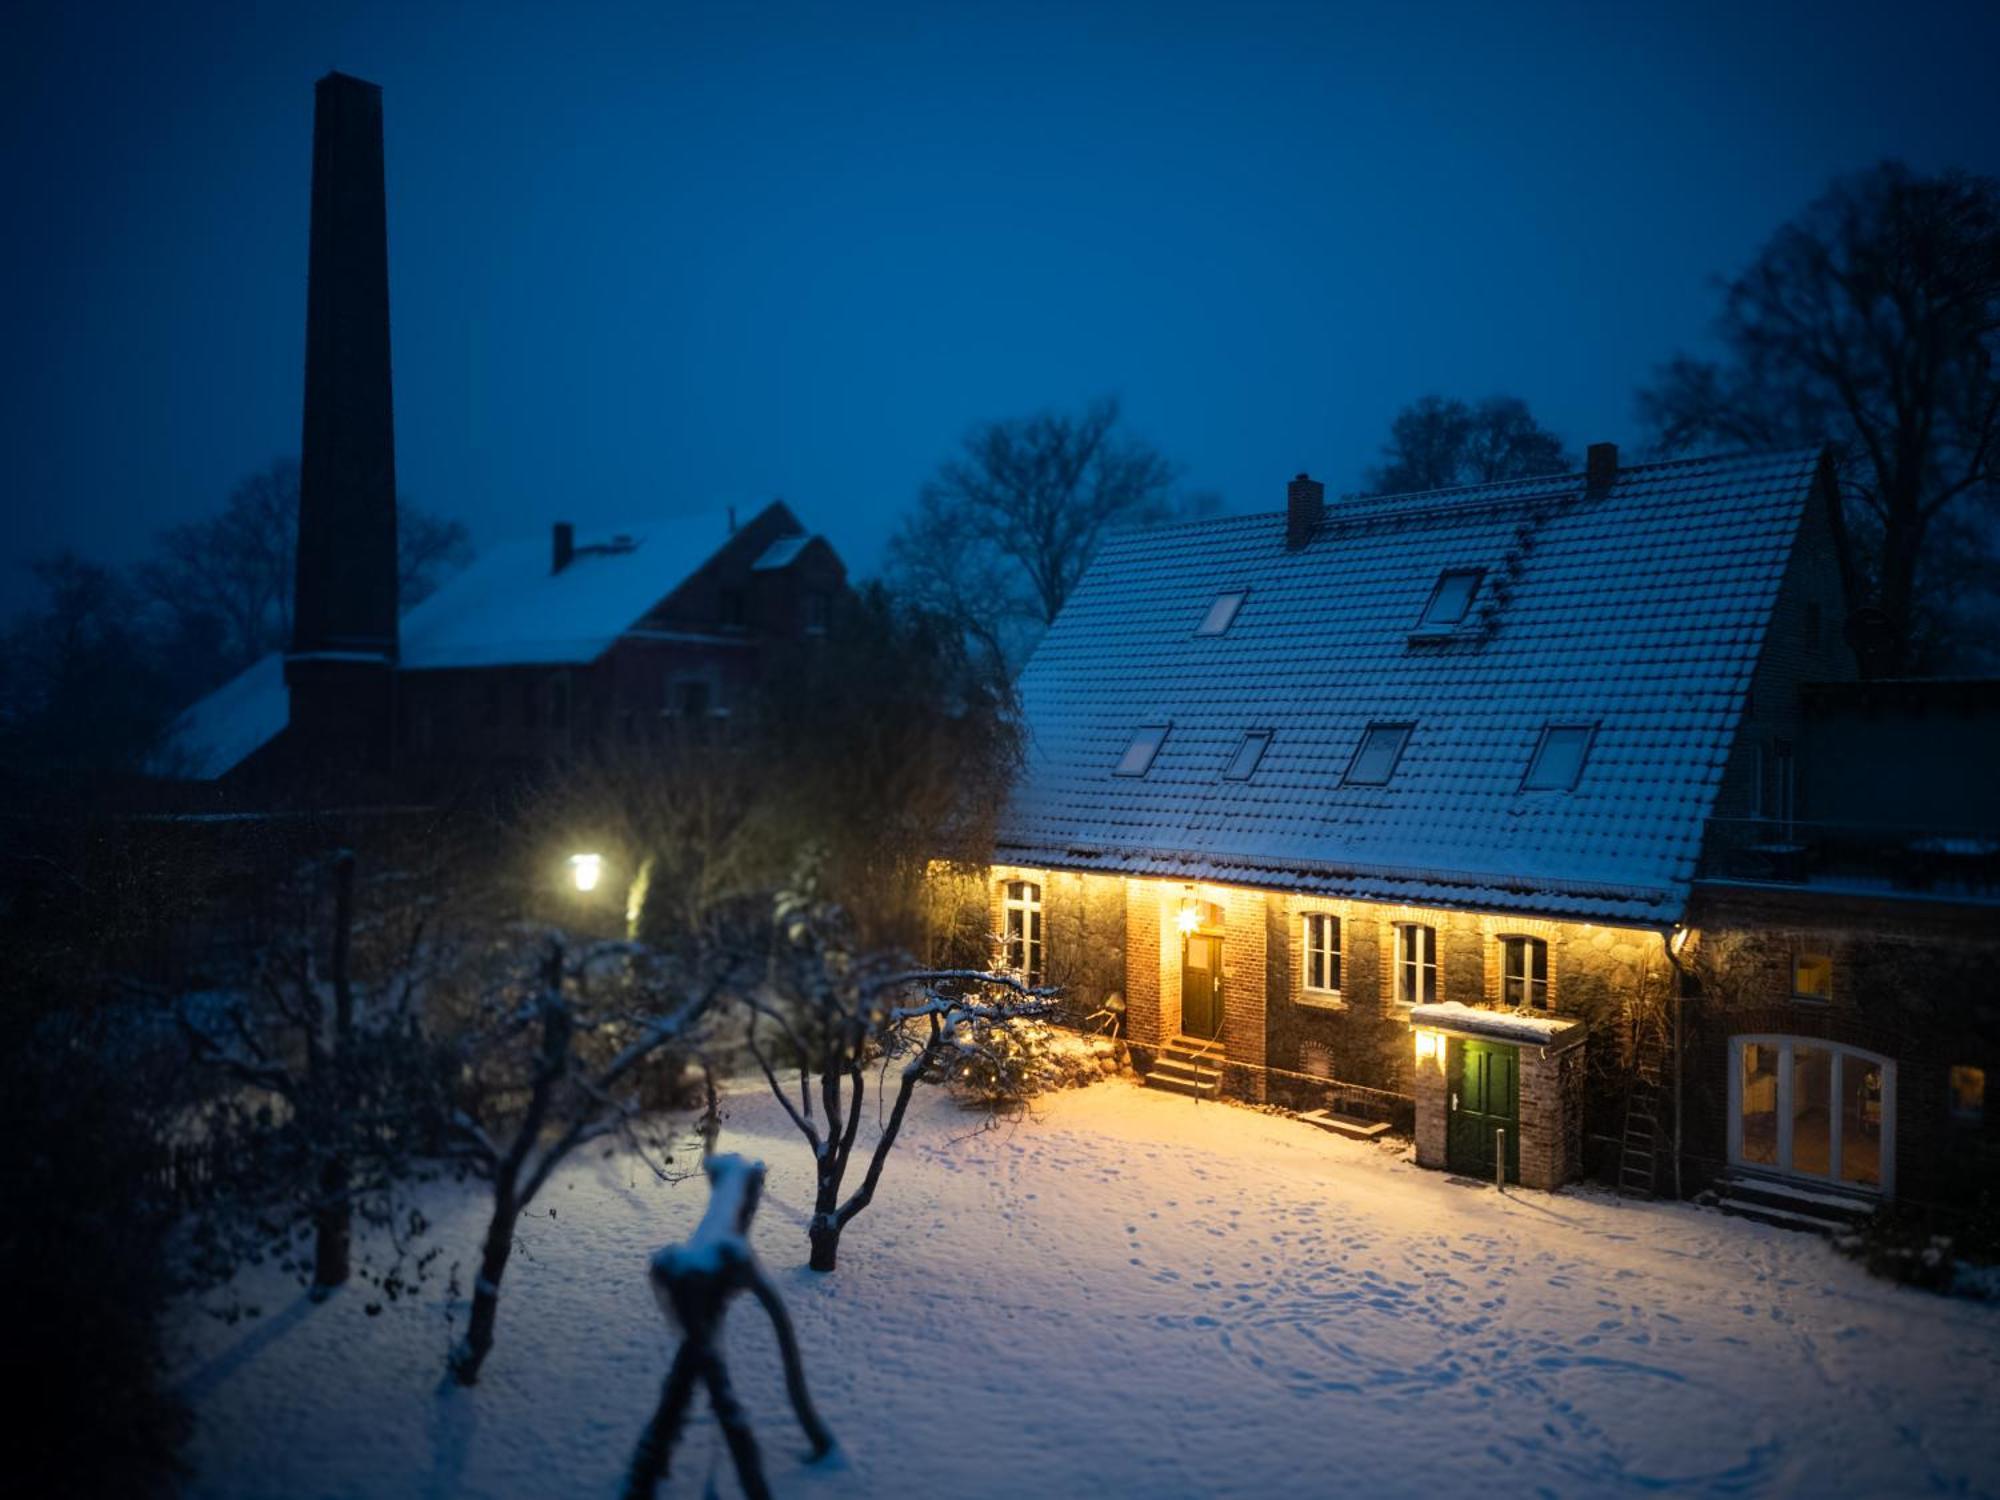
(1639, 1151)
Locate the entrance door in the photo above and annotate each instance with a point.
(1485, 1097)
(1806, 1107)
(1201, 985)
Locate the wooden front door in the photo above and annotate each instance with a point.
(1485, 1097)
(1201, 985)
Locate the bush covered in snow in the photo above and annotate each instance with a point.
(1002, 1065)
(1907, 1243)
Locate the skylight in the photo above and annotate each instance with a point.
(1558, 759)
(1222, 612)
(1243, 764)
(1451, 599)
(1381, 747)
(1138, 757)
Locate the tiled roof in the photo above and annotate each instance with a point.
(1640, 611)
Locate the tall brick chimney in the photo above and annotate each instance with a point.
(1305, 507)
(341, 663)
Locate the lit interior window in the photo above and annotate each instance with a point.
(1451, 599)
(1221, 613)
(1243, 764)
(1381, 748)
(1558, 759)
(1967, 1092)
(1812, 976)
(1138, 757)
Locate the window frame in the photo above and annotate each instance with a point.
(1800, 955)
(1262, 738)
(1021, 908)
(1329, 958)
(1549, 731)
(1209, 626)
(1159, 730)
(1426, 625)
(1412, 967)
(1407, 729)
(1528, 947)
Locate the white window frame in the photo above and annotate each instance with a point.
(1024, 930)
(1782, 1044)
(1526, 944)
(1329, 956)
(1411, 966)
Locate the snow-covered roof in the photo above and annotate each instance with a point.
(781, 554)
(506, 609)
(1639, 612)
(1453, 1015)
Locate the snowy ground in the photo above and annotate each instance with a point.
(1132, 1294)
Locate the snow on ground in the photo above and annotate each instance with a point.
(1135, 1294)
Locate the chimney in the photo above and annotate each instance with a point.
(565, 546)
(1305, 508)
(341, 665)
(1600, 468)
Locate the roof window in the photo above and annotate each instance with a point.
(1451, 599)
(1138, 757)
(1558, 758)
(1243, 764)
(1222, 612)
(1375, 761)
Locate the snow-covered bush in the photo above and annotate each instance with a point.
(997, 1065)
(1907, 1243)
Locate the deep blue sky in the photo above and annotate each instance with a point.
(653, 257)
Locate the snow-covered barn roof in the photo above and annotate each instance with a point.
(506, 609)
(1636, 615)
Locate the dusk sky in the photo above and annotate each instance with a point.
(653, 258)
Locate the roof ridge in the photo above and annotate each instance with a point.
(1558, 479)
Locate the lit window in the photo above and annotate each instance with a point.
(1524, 973)
(1416, 964)
(1138, 757)
(1812, 976)
(1221, 613)
(1024, 930)
(1967, 1095)
(1451, 599)
(1320, 943)
(1381, 748)
(1558, 759)
(1243, 764)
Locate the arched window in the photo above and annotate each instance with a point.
(1023, 930)
(1524, 973)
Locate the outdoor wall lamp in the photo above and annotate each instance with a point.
(584, 870)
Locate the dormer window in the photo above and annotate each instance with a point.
(1222, 612)
(1138, 757)
(1451, 599)
(1375, 760)
(1243, 764)
(1558, 760)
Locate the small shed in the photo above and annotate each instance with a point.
(1493, 1081)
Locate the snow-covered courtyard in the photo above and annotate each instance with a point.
(1132, 1294)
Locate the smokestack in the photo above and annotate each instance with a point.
(346, 584)
(1600, 468)
(341, 666)
(565, 546)
(1305, 507)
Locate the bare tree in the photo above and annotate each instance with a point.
(693, 1284)
(237, 567)
(1004, 530)
(1871, 321)
(1438, 442)
(839, 1014)
(554, 1071)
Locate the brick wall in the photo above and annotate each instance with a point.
(1551, 1114)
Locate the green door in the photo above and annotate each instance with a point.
(1201, 985)
(1485, 1097)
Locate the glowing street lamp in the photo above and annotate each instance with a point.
(584, 870)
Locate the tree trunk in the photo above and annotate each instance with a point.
(825, 1237)
(478, 1342)
(333, 1226)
